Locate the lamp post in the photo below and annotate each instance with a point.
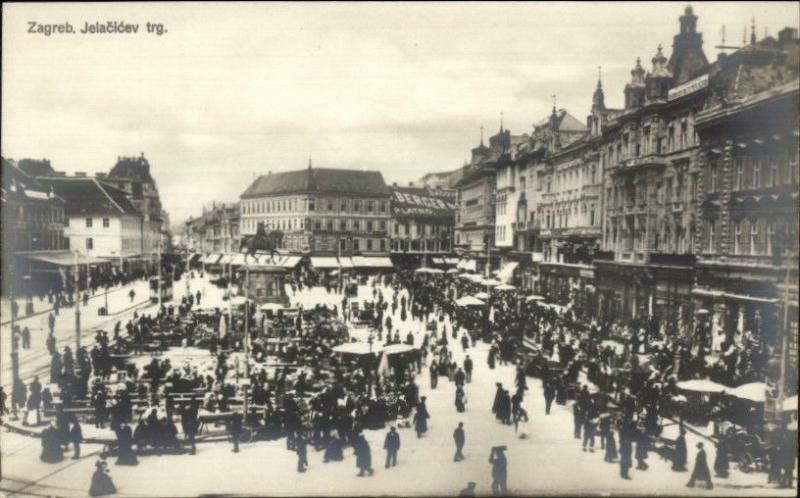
(13, 335)
(77, 305)
(246, 337)
(159, 272)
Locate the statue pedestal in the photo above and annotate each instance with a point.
(265, 284)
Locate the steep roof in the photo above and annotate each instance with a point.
(89, 196)
(20, 187)
(319, 180)
(132, 167)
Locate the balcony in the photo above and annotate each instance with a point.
(649, 160)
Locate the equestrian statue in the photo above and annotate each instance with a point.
(262, 241)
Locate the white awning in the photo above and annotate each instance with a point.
(63, 258)
(467, 264)
(212, 258)
(372, 262)
(507, 271)
(346, 262)
(451, 261)
(323, 262)
(290, 261)
(227, 258)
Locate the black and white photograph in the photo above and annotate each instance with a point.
(399, 249)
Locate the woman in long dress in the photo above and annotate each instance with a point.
(101, 481)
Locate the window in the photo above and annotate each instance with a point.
(343, 206)
(737, 240)
(342, 244)
(712, 232)
(754, 242)
(105, 222)
(89, 243)
(88, 223)
(756, 172)
(369, 244)
(773, 172)
(397, 228)
(684, 130)
(714, 178)
(330, 204)
(342, 225)
(317, 224)
(739, 174)
(329, 225)
(356, 244)
(311, 204)
(356, 206)
(356, 225)
(383, 244)
(369, 225)
(383, 226)
(370, 208)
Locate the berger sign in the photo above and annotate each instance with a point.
(690, 86)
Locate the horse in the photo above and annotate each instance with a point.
(262, 241)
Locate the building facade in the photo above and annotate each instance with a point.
(100, 220)
(321, 210)
(33, 217)
(650, 159)
(423, 221)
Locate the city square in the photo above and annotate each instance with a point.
(603, 305)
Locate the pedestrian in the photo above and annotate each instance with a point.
(363, 455)
(549, 396)
(700, 472)
(3, 397)
(132, 294)
(34, 401)
(421, 418)
(460, 399)
(434, 374)
(459, 438)
(499, 470)
(577, 420)
(76, 436)
(460, 377)
(642, 449)
(236, 431)
(611, 447)
(392, 445)
(468, 368)
(51, 322)
(625, 454)
(26, 338)
(680, 457)
(469, 491)
(302, 453)
(721, 461)
(101, 484)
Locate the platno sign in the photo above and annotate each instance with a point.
(690, 86)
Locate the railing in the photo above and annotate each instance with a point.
(648, 160)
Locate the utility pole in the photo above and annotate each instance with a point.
(159, 272)
(14, 342)
(784, 343)
(77, 306)
(246, 337)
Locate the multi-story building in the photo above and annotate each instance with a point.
(441, 179)
(422, 222)
(747, 230)
(475, 218)
(649, 158)
(33, 219)
(100, 220)
(132, 175)
(320, 210)
(217, 230)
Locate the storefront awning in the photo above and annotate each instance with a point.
(467, 264)
(63, 258)
(290, 261)
(227, 259)
(323, 262)
(507, 271)
(346, 262)
(372, 262)
(730, 295)
(212, 259)
(451, 261)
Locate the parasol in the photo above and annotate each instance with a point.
(452, 271)
(490, 282)
(534, 297)
(505, 287)
(482, 295)
(469, 301)
(398, 348)
(271, 307)
(753, 391)
(359, 348)
(702, 385)
(790, 404)
(428, 270)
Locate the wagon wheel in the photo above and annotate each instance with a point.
(246, 436)
(746, 463)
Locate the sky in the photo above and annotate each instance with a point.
(235, 90)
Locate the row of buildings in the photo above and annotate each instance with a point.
(111, 221)
(330, 212)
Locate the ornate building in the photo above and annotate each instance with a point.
(747, 227)
(321, 210)
(649, 157)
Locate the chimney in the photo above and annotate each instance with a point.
(80, 174)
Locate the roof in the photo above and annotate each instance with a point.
(319, 180)
(132, 167)
(20, 187)
(90, 196)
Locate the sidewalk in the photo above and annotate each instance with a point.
(5, 304)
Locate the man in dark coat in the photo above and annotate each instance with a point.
(498, 399)
(549, 396)
(302, 453)
(34, 401)
(392, 445)
(459, 438)
(236, 431)
(680, 457)
(363, 455)
(434, 372)
(625, 450)
(700, 472)
(721, 461)
(468, 368)
(642, 449)
(421, 418)
(76, 436)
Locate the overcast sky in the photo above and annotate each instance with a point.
(235, 90)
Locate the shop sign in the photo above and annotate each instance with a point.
(690, 86)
